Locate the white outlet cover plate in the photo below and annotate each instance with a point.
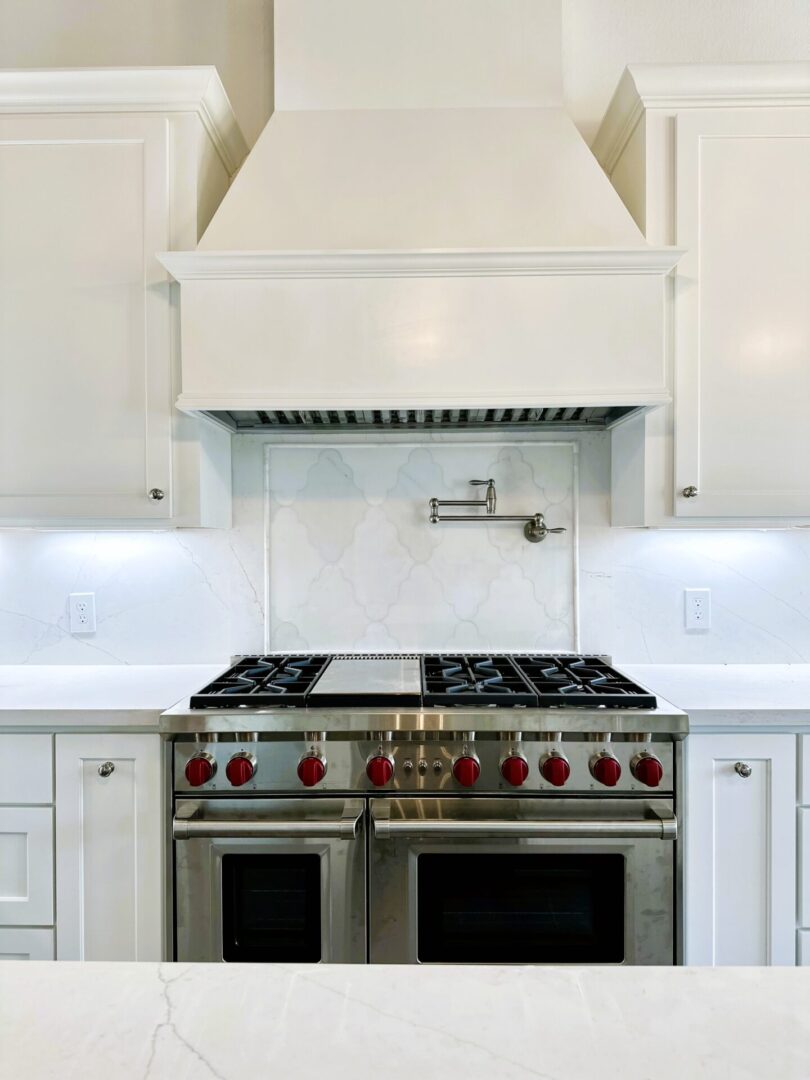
(82, 612)
(697, 609)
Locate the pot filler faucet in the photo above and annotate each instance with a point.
(534, 525)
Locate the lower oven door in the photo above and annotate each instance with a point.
(528, 881)
(270, 880)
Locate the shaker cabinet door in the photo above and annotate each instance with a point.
(109, 892)
(742, 313)
(85, 318)
(740, 849)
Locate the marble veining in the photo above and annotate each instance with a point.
(198, 596)
(229, 1021)
(354, 563)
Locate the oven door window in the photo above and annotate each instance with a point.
(271, 908)
(521, 908)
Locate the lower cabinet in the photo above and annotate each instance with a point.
(109, 894)
(26, 943)
(740, 849)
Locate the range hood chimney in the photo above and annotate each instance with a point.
(420, 236)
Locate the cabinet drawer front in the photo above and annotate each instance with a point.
(23, 943)
(34, 783)
(26, 866)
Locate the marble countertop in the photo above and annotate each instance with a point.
(179, 1021)
(122, 695)
(94, 695)
(731, 695)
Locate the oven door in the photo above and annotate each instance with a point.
(528, 881)
(270, 880)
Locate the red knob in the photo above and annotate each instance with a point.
(199, 770)
(466, 770)
(515, 770)
(379, 770)
(648, 770)
(311, 770)
(239, 770)
(555, 769)
(606, 770)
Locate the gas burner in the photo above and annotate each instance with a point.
(581, 682)
(473, 680)
(260, 681)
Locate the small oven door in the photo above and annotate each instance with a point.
(524, 881)
(270, 880)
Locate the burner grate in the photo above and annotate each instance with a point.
(462, 679)
(262, 681)
(583, 682)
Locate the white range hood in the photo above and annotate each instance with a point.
(420, 235)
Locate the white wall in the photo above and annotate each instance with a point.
(599, 37)
(199, 595)
(234, 35)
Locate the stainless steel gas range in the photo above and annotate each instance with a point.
(515, 808)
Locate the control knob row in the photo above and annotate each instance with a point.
(554, 768)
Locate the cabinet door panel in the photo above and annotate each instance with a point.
(26, 865)
(85, 375)
(740, 864)
(108, 847)
(23, 943)
(26, 769)
(742, 313)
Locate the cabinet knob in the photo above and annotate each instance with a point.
(743, 770)
(106, 769)
(156, 494)
(689, 492)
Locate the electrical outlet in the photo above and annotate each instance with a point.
(82, 609)
(697, 609)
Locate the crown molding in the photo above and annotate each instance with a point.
(201, 265)
(707, 86)
(196, 90)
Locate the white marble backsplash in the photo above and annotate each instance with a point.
(197, 596)
(355, 564)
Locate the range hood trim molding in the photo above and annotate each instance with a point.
(199, 265)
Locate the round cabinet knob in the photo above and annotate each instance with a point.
(690, 492)
(240, 769)
(555, 769)
(466, 770)
(379, 769)
(648, 770)
(515, 770)
(200, 769)
(157, 494)
(743, 770)
(107, 768)
(606, 770)
(311, 770)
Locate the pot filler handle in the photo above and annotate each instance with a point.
(188, 824)
(660, 825)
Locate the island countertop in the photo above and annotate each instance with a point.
(99, 1020)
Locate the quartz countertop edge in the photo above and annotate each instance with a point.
(123, 696)
(731, 695)
(449, 1022)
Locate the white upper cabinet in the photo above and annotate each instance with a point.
(717, 161)
(99, 170)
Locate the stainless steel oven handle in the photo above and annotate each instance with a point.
(659, 827)
(187, 825)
